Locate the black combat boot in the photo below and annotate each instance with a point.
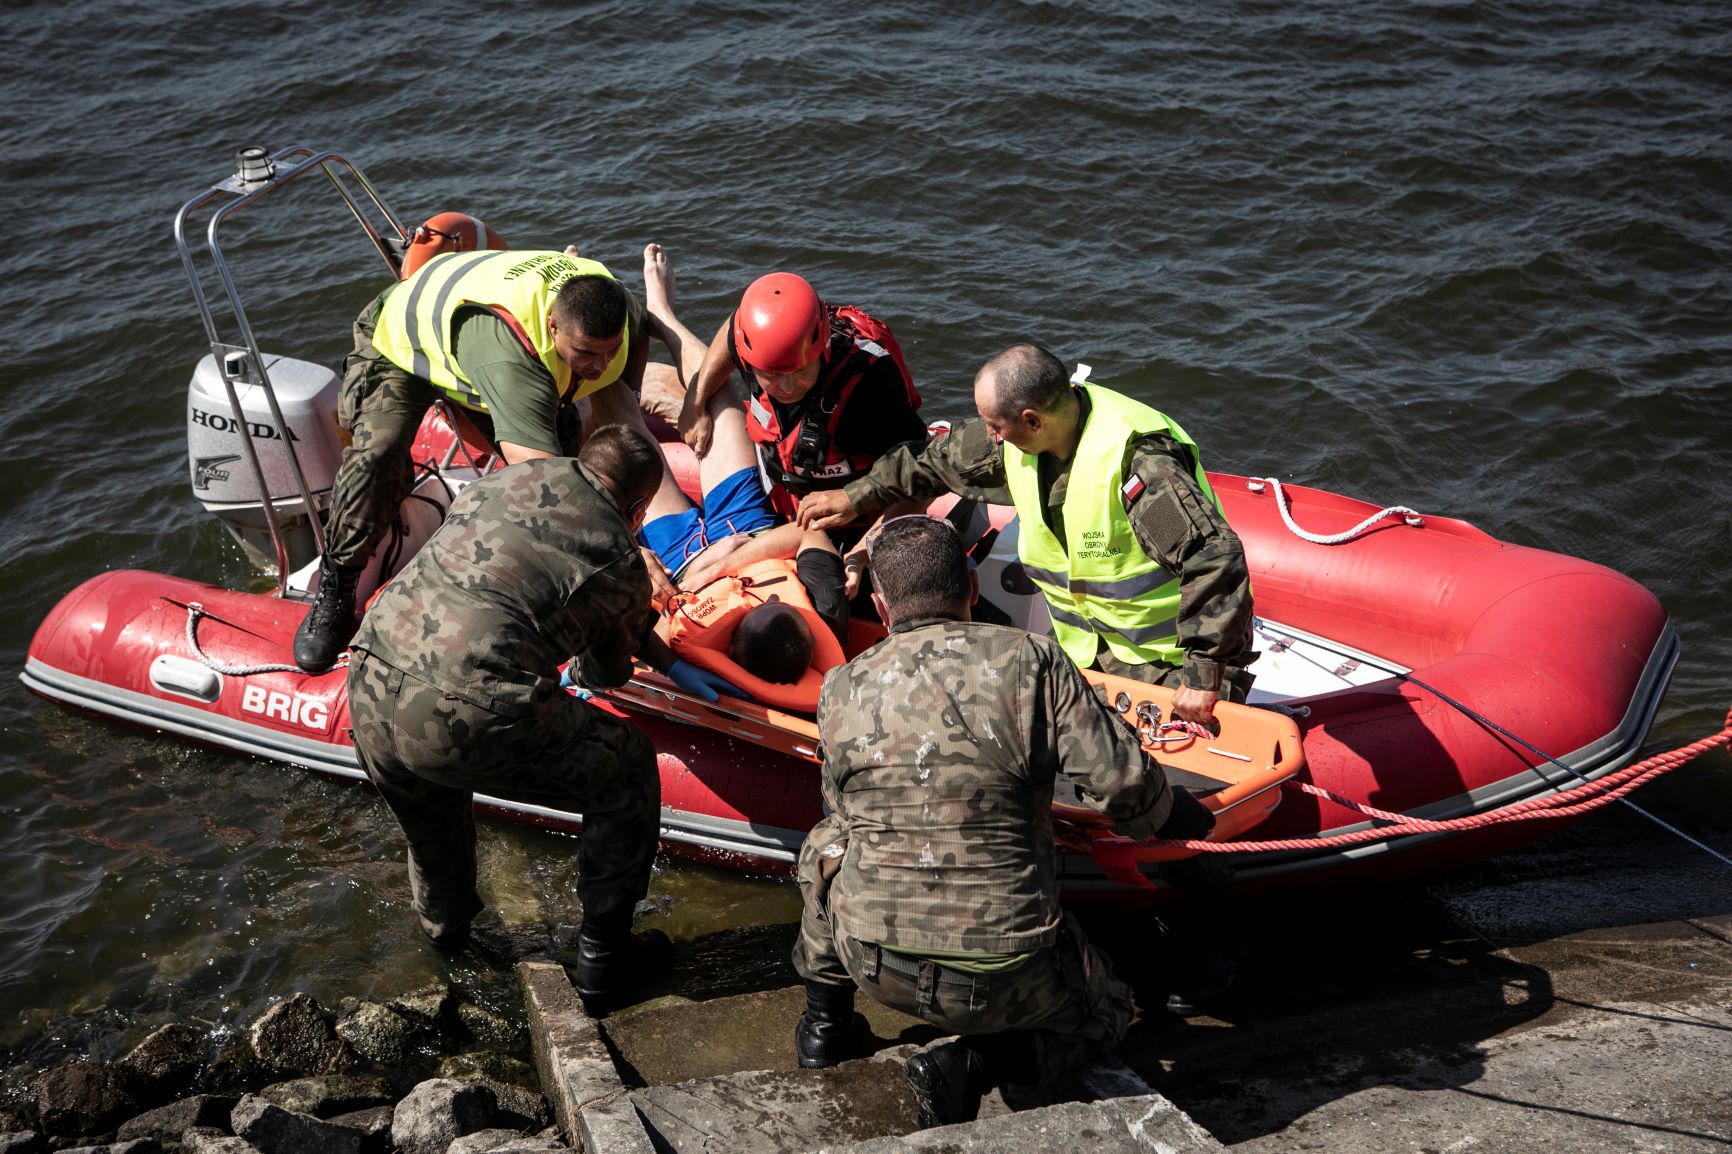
(824, 1034)
(1207, 980)
(329, 625)
(612, 961)
(948, 1082)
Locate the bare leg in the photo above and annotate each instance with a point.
(730, 448)
(658, 285)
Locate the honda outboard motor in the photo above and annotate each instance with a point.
(223, 480)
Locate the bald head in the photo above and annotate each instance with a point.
(1024, 395)
(1022, 377)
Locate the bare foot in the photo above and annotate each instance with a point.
(658, 282)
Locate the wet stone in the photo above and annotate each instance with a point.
(18, 1114)
(499, 1141)
(374, 1125)
(780, 1112)
(517, 1107)
(167, 1123)
(136, 1146)
(274, 1130)
(235, 1070)
(388, 1036)
(294, 1036)
(486, 1066)
(428, 1004)
(165, 1062)
(329, 1096)
(571, 1057)
(438, 1112)
(21, 1142)
(485, 1028)
(1120, 1126)
(82, 1098)
(206, 1141)
(614, 1127)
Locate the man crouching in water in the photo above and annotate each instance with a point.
(933, 884)
(454, 689)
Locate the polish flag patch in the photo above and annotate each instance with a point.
(1131, 489)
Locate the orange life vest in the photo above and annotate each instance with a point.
(701, 625)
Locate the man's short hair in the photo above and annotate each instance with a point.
(919, 568)
(629, 462)
(773, 643)
(597, 305)
(1027, 377)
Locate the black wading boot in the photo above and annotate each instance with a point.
(1207, 981)
(949, 1080)
(612, 961)
(329, 625)
(824, 1034)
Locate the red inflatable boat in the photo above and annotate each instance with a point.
(1433, 695)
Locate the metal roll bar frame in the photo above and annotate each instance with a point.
(259, 174)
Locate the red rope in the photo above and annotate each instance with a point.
(1602, 791)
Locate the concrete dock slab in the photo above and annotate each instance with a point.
(1505, 1008)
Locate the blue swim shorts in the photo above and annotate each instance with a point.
(737, 505)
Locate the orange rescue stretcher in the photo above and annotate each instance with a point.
(1236, 770)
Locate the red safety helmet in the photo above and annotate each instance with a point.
(781, 325)
(448, 232)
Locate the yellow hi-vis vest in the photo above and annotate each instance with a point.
(414, 327)
(1104, 587)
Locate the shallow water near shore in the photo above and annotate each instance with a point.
(1467, 258)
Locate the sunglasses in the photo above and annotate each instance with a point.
(871, 539)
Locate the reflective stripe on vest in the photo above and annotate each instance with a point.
(414, 325)
(1100, 586)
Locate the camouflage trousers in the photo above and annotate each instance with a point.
(1064, 996)
(429, 753)
(379, 408)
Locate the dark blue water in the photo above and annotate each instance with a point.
(1466, 257)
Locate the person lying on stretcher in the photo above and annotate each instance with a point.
(780, 617)
(765, 613)
(786, 601)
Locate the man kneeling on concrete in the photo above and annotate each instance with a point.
(931, 885)
(455, 689)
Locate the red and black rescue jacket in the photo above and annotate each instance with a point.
(804, 456)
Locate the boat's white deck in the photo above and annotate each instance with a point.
(1292, 663)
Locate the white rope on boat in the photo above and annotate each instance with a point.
(1256, 485)
(193, 612)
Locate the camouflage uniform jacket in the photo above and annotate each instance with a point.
(532, 565)
(942, 745)
(1174, 522)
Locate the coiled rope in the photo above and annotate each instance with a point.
(1257, 484)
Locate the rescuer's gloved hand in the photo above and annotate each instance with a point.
(701, 682)
(569, 683)
(1190, 819)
